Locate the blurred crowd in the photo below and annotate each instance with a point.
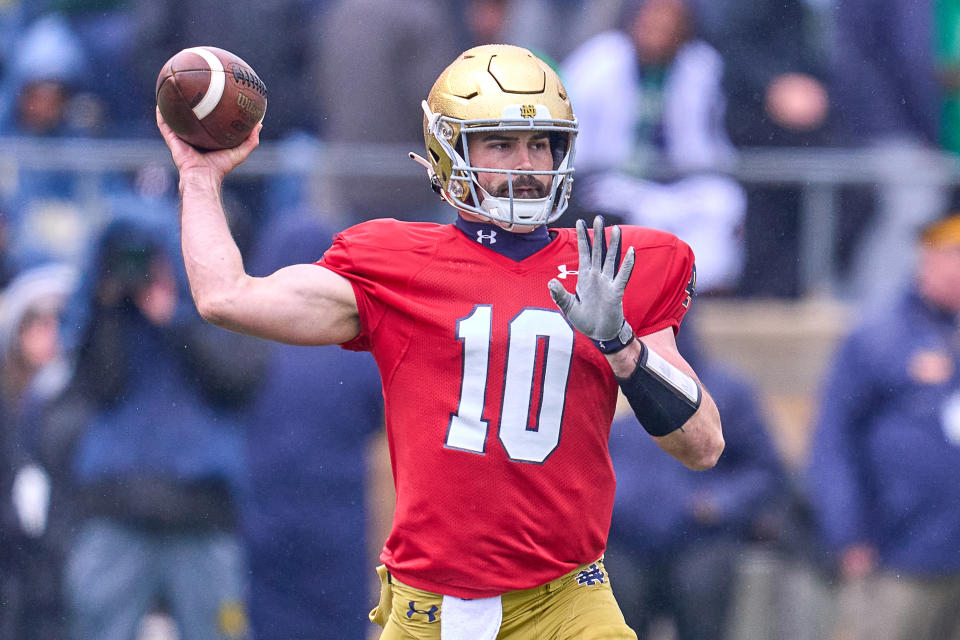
(152, 462)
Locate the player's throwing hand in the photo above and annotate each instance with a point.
(219, 163)
(597, 308)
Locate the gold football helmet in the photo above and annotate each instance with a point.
(497, 88)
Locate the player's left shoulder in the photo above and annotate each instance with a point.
(653, 245)
(662, 256)
(643, 238)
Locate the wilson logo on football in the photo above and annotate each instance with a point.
(251, 107)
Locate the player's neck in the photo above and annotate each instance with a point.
(516, 246)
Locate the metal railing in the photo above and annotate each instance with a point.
(819, 173)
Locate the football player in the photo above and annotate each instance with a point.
(499, 382)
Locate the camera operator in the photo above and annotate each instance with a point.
(155, 454)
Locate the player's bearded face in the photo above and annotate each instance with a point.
(517, 151)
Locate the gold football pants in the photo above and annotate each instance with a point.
(577, 606)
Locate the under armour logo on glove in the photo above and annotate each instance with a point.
(491, 236)
(431, 613)
(591, 576)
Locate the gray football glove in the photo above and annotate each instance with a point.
(597, 308)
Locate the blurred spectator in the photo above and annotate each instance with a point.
(50, 213)
(776, 99)
(46, 92)
(149, 435)
(669, 91)
(887, 97)
(485, 21)
(678, 536)
(382, 57)
(652, 92)
(32, 366)
(30, 345)
(305, 521)
(553, 28)
(107, 31)
(886, 47)
(772, 68)
(885, 455)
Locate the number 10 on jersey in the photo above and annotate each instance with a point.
(523, 443)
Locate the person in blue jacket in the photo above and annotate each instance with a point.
(884, 469)
(305, 521)
(677, 533)
(151, 451)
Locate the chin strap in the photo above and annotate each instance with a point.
(420, 160)
(522, 212)
(431, 174)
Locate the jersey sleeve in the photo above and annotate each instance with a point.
(341, 259)
(380, 258)
(661, 288)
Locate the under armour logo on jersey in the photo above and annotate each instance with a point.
(591, 576)
(431, 613)
(491, 236)
(564, 273)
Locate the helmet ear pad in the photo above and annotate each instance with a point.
(559, 143)
(468, 197)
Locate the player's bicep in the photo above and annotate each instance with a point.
(302, 304)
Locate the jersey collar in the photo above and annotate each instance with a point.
(516, 246)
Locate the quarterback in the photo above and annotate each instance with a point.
(501, 346)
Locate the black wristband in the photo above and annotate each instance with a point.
(622, 339)
(662, 397)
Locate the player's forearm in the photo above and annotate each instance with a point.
(699, 442)
(211, 257)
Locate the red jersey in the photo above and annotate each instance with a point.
(498, 412)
